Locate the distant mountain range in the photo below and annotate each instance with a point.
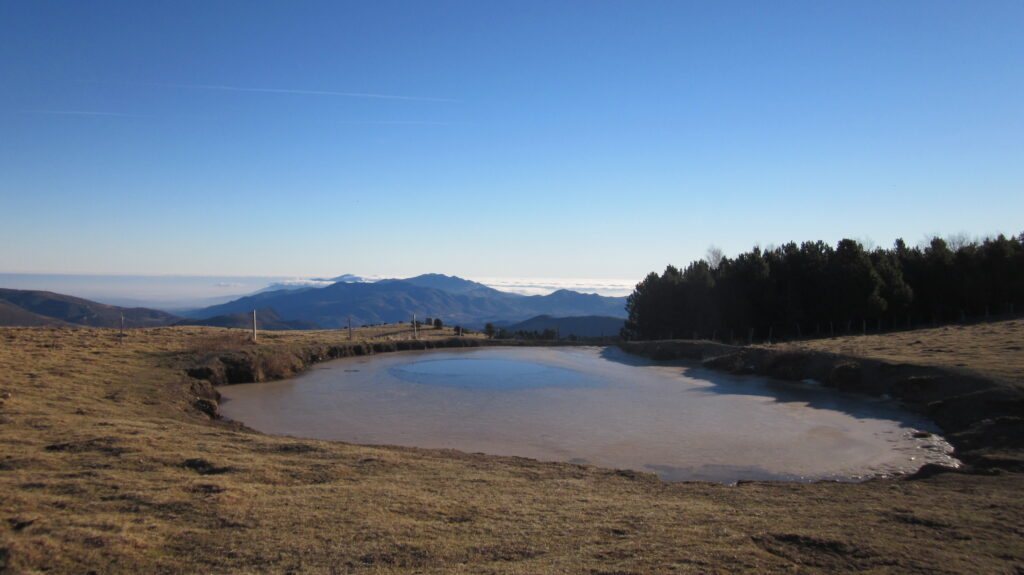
(28, 307)
(454, 300)
(580, 326)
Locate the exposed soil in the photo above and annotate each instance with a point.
(975, 394)
(110, 464)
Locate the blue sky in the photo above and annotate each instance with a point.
(486, 139)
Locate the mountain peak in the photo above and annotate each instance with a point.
(451, 298)
(450, 284)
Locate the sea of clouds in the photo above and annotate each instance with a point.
(174, 293)
(544, 286)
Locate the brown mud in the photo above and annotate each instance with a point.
(982, 417)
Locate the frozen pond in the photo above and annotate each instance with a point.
(592, 405)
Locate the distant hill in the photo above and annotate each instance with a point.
(570, 303)
(266, 319)
(581, 326)
(28, 307)
(11, 314)
(347, 278)
(455, 285)
(453, 299)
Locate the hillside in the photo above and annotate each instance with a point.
(266, 319)
(123, 474)
(27, 307)
(580, 326)
(454, 300)
(11, 314)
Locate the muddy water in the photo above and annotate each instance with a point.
(597, 406)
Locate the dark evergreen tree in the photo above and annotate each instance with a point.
(798, 290)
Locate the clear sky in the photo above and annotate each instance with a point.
(497, 139)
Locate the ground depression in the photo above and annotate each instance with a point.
(597, 406)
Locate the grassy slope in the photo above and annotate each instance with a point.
(992, 349)
(106, 466)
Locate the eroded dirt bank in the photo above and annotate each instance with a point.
(251, 364)
(983, 417)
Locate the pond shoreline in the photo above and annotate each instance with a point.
(599, 406)
(979, 416)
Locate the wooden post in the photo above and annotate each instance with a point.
(415, 330)
(254, 326)
(350, 328)
(770, 328)
(122, 328)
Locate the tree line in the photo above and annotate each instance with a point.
(796, 291)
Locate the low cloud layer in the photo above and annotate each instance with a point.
(543, 286)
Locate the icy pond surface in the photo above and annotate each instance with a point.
(597, 406)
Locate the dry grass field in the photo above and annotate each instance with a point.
(991, 349)
(106, 466)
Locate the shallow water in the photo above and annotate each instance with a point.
(597, 406)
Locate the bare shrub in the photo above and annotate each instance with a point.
(278, 364)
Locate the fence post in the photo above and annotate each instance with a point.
(254, 326)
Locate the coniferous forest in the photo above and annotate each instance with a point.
(813, 289)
